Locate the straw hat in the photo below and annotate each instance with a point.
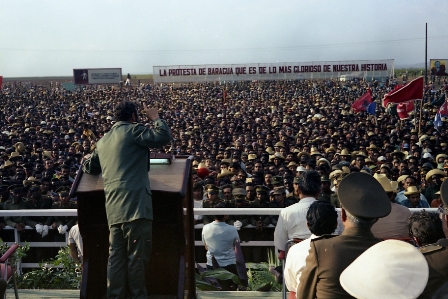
(388, 185)
(435, 172)
(411, 190)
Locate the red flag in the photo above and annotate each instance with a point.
(403, 109)
(411, 91)
(443, 110)
(361, 103)
(225, 96)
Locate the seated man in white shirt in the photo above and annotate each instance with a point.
(292, 220)
(75, 243)
(219, 241)
(321, 219)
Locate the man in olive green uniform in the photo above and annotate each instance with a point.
(363, 201)
(17, 202)
(326, 193)
(212, 201)
(122, 156)
(437, 254)
(62, 223)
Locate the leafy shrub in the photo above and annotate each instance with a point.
(58, 273)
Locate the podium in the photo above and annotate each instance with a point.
(171, 271)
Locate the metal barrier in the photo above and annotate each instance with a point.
(197, 211)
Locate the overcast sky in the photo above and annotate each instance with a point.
(51, 38)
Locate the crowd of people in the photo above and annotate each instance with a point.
(251, 142)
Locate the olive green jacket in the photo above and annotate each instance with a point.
(122, 156)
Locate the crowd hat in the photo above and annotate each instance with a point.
(279, 190)
(411, 190)
(239, 192)
(388, 185)
(299, 155)
(435, 172)
(363, 196)
(261, 188)
(225, 173)
(402, 273)
(345, 152)
(211, 187)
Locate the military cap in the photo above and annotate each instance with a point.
(324, 178)
(239, 192)
(262, 189)
(363, 196)
(211, 187)
(276, 180)
(279, 190)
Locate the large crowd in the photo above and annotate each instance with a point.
(254, 135)
(250, 142)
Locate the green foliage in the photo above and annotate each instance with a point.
(261, 279)
(203, 285)
(58, 273)
(18, 254)
(222, 274)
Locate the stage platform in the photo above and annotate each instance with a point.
(62, 294)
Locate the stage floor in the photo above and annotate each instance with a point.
(60, 294)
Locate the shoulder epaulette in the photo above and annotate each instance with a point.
(323, 237)
(430, 248)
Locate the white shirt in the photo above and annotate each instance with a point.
(75, 237)
(292, 223)
(197, 204)
(219, 237)
(295, 263)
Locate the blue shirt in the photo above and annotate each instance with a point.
(219, 237)
(401, 197)
(421, 204)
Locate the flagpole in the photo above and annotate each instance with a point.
(426, 78)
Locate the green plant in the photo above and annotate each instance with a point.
(58, 273)
(18, 254)
(259, 275)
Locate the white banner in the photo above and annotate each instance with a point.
(97, 76)
(274, 71)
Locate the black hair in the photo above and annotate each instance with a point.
(310, 183)
(124, 110)
(425, 227)
(322, 218)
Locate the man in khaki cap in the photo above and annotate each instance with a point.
(363, 201)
